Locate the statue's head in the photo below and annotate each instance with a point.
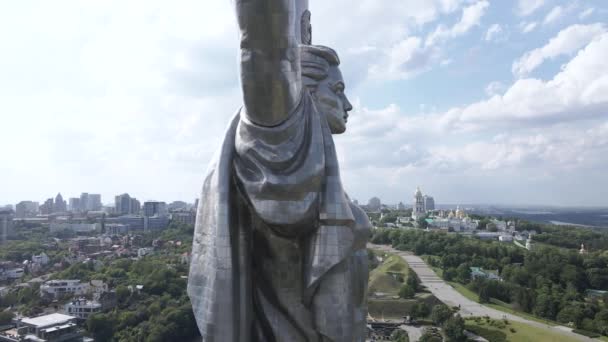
(322, 76)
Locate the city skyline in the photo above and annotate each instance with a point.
(477, 101)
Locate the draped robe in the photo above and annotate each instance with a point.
(279, 249)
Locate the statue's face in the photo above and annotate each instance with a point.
(332, 101)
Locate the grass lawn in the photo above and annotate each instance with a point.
(383, 278)
(498, 305)
(496, 330)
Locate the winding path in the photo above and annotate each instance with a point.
(448, 295)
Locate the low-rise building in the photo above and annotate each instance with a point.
(41, 259)
(56, 288)
(478, 272)
(82, 308)
(142, 252)
(49, 328)
(75, 227)
(505, 238)
(184, 216)
(14, 273)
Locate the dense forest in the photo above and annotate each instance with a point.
(549, 282)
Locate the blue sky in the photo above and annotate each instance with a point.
(475, 101)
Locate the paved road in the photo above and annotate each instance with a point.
(448, 295)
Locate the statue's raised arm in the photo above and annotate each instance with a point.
(269, 59)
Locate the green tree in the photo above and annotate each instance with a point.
(399, 335)
(440, 314)
(6, 317)
(484, 293)
(413, 281)
(419, 310)
(101, 326)
(454, 329)
(406, 292)
(431, 335)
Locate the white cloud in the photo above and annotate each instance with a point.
(578, 92)
(470, 18)
(584, 14)
(493, 32)
(528, 27)
(555, 13)
(527, 7)
(494, 88)
(567, 41)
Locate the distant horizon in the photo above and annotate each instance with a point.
(407, 204)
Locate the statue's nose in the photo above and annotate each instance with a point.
(347, 105)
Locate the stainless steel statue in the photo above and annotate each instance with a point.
(279, 249)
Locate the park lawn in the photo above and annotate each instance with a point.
(463, 290)
(522, 332)
(603, 338)
(382, 279)
(498, 305)
(506, 307)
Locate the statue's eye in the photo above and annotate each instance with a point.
(338, 89)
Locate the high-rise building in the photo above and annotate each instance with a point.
(48, 207)
(418, 208)
(84, 201)
(155, 208)
(60, 205)
(429, 203)
(126, 205)
(94, 203)
(74, 205)
(135, 207)
(6, 224)
(122, 203)
(25, 209)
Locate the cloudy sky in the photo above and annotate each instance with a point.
(476, 101)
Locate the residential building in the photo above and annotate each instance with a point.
(74, 205)
(478, 272)
(135, 207)
(505, 238)
(82, 308)
(6, 224)
(84, 201)
(126, 205)
(49, 328)
(41, 259)
(56, 288)
(142, 252)
(25, 209)
(94, 202)
(48, 207)
(155, 208)
(14, 273)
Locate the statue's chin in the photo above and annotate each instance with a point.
(338, 130)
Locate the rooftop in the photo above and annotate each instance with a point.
(48, 320)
